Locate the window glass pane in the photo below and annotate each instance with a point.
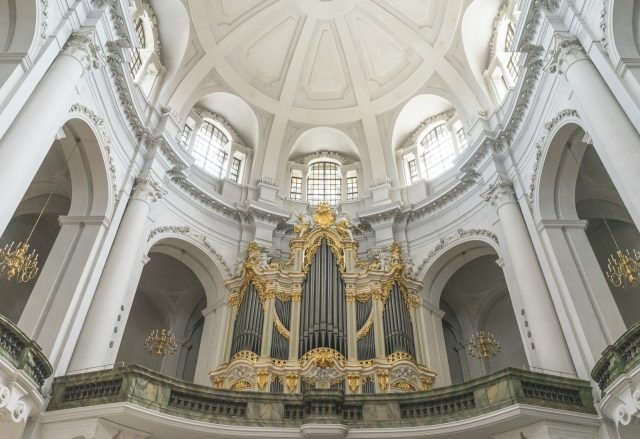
(296, 188)
(185, 138)
(461, 137)
(514, 65)
(235, 169)
(508, 40)
(413, 170)
(210, 149)
(140, 33)
(136, 61)
(324, 183)
(438, 151)
(352, 188)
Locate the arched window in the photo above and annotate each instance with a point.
(296, 185)
(352, 185)
(434, 147)
(211, 149)
(136, 58)
(438, 151)
(324, 183)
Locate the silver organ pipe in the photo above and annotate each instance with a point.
(398, 329)
(247, 331)
(323, 320)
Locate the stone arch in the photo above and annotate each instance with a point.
(445, 259)
(448, 288)
(20, 25)
(197, 257)
(623, 29)
(573, 266)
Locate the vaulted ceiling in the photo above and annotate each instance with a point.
(348, 64)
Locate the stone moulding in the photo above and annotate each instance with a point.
(186, 231)
(106, 140)
(458, 235)
(510, 387)
(563, 114)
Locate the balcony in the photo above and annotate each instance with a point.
(512, 397)
(23, 371)
(618, 376)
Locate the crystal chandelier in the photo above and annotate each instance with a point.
(17, 262)
(160, 343)
(623, 268)
(483, 345)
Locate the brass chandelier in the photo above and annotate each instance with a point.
(483, 345)
(161, 343)
(16, 262)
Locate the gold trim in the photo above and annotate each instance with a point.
(399, 356)
(241, 385)
(246, 355)
(362, 332)
(405, 386)
(353, 380)
(262, 378)
(280, 327)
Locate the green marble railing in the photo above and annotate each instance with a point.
(142, 387)
(23, 353)
(618, 358)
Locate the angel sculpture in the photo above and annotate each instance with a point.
(301, 222)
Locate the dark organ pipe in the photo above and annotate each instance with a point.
(398, 328)
(247, 329)
(323, 318)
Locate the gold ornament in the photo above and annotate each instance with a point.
(405, 386)
(383, 380)
(218, 383)
(262, 379)
(354, 382)
(161, 343)
(324, 216)
(241, 385)
(292, 382)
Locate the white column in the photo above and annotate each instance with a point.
(212, 342)
(26, 143)
(294, 330)
(352, 326)
(378, 324)
(111, 304)
(548, 339)
(435, 348)
(615, 138)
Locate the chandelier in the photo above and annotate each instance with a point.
(623, 268)
(483, 345)
(160, 343)
(17, 262)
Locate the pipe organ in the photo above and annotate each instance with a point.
(323, 318)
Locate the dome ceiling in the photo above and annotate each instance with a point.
(345, 64)
(324, 61)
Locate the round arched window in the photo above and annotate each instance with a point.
(324, 183)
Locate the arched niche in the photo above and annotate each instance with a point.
(477, 33)
(174, 33)
(169, 296)
(572, 193)
(18, 33)
(71, 183)
(235, 110)
(466, 283)
(181, 288)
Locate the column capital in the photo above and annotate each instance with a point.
(146, 189)
(81, 46)
(500, 192)
(566, 52)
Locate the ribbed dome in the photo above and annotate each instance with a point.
(324, 61)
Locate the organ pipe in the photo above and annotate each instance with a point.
(247, 331)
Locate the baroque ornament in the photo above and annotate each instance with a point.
(186, 230)
(459, 234)
(81, 46)
(106, 139)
